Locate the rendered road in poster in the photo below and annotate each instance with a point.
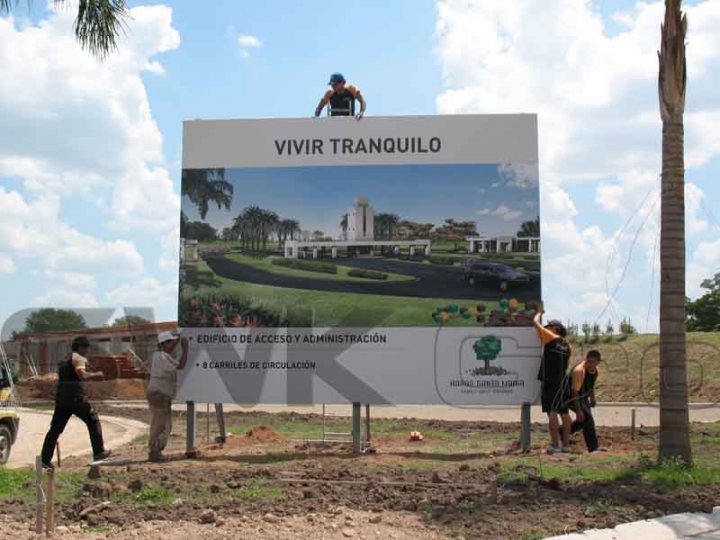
(430, 281)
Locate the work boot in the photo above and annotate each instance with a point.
(553, 450)
(157, 458)
(48, 466)
(102, 455)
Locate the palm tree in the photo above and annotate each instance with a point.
(529, 228)
(97, 25)
(268, 224)
(205, 186)
(674, 432)
(344, 225)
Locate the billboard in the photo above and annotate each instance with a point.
(387, 260)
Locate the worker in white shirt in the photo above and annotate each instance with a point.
(161, 391)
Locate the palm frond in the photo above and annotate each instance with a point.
(98, 24)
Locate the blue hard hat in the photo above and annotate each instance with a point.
(336, 78)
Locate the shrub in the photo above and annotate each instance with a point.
(310, 266)
(449, 261)
(369, 274)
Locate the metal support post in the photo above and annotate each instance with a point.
(222, 438)
(356, 435)
(190, 441)
(525, 428)
(367, 423)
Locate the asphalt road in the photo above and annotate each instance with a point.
(432, 281)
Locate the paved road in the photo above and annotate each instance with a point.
(606, 414)
(695, 526)
(433, 281)
(73, 442)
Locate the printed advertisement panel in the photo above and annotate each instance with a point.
(387, 260)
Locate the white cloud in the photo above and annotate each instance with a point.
(519, 175)
(72, 123)
(7, 266)
(248, 41)
(596, 99)
(149, 292)
(66, 299)
(503, 212)
(245, 43)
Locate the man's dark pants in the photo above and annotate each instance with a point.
(587, 426)
(63, 411)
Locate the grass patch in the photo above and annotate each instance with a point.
(341, 309)
(259, 491)
(290, 268)
(19, 484)
(308, 266)
(447, 261)
(148, 495)
(369, 274)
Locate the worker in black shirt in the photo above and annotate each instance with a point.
(70, 400)
(341, 98)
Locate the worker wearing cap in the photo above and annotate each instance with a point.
(341, 98)
(70, 400)
(161, 391)
(554, 381)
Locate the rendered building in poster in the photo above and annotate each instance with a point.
(388, 260)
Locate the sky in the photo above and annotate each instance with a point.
(486, 194)
(90, 151)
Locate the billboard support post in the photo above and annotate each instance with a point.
(190, 440)
(367, 423)
(356, 436)
(222, 438)
(525, 428)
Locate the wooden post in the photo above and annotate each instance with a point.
(39, 495)
(632, 425)
(57, 452)
(356, 442)
(190, 450)
(50, 504)
(207, 423)
(367, 423)
(219, 413)
(525, 441)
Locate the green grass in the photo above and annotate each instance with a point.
(20, 484)
(343, 272)
(340, 309)
(148, 495)
(259, 491)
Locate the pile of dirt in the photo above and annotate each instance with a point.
(43, 389)
(254, 436)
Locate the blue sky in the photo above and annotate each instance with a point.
(318, 196)
(90, 152)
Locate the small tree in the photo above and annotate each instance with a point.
(487, 349)
(130, 320)
(626, 327)
(53, 320)
(586, 329)
(703, 315)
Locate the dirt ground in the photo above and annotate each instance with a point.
(463, 481)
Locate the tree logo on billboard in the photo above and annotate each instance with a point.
(487, 349)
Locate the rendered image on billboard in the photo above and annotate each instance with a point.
(360, 246)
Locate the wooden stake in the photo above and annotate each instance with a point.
(632, 424)
(39, 495)
(57, 452)
(50, 504)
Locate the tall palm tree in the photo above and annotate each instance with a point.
(674, 432)
(97, 25)
(344, 225)
(205, 186)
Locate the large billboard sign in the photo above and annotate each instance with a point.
(386, 260)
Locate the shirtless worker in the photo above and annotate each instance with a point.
(341, 98)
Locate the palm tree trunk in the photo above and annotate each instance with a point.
(674, 421)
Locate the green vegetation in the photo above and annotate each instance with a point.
(19, 484)
(259, 491)
(310, 266)
(448, 261)
(53, 320)
(149, 495)
(327, 308)
(369, 274)
(341, 273)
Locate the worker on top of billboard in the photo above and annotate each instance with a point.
(341, 98)
(554, 381)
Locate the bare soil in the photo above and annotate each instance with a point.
(263, 484)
